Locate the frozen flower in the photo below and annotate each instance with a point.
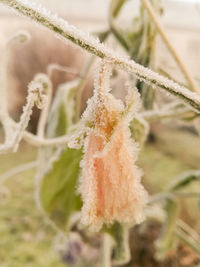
(110, 184)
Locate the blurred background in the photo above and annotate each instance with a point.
(26, 239)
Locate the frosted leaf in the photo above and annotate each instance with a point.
(139, 129)
(133, 102)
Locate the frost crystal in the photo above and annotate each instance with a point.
(110, 183)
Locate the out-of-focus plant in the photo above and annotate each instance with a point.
(86, 175)
(139, 40)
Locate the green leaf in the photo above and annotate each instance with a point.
(58, 188)
(62, 112)
(139, 130)
(183, 180)
(120, 235)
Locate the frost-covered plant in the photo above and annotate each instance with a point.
(110, 184)
(86, 171)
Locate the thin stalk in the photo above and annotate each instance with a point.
(107, 251)
(167, 114)
(195, 245)
(22, 37)
(92, 45)
(187, 194)
(118, 35)
(169, 45)
(42, 142)
(84, 76)
(54, 66)
(189, 230)
(114, 9)
(17, 170)
(48, 90)
(47, 85)
(116, 6)
(34, 97)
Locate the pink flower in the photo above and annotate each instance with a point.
(110, 184)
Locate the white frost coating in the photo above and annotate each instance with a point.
(35, 96)
(47, 91)
(133, 101)
(64, 98)
(22, 37)
(94, 105)
(54, 66)
(66, 31)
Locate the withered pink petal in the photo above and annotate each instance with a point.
(110, 184)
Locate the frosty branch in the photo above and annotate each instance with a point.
(92, 45)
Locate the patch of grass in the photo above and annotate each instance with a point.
(25, 237)
(172, 153)
(159, 168)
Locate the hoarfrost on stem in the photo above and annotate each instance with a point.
(66, 31)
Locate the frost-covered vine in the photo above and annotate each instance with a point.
(68, 32)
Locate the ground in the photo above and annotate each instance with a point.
(26, 239)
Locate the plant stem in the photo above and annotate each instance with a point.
(188, 240)
(107, 249)
(17, 170)
(92, 45)
(83, 80)
(45, 111)
(54, 66)
(189, 230)
(169, 45)
(116, 6)
(167, 114)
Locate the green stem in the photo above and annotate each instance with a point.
(114, 9)
(66, 31)
(169, 45)
(116, 6)
(81, 86)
